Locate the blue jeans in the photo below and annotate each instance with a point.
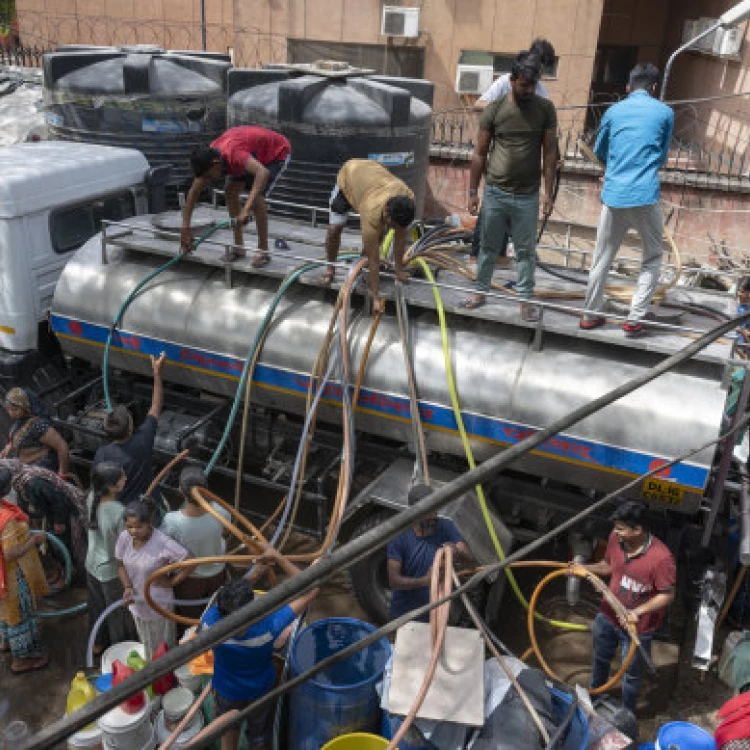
(504, 213)
(607, 637)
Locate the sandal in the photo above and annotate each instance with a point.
(262, 258)
(39, 663)
(472, 303)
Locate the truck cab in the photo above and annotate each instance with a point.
(53, 198)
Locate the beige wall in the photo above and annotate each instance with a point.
(724, 126)
(173, 24)
(447, 26)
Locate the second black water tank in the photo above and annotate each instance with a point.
(331, 116)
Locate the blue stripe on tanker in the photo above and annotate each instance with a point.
(561, 447)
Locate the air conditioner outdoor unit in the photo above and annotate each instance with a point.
(728, 42)
(400, 21)
(473, 79)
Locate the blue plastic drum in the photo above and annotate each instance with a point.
(339, 700)
(682, 735)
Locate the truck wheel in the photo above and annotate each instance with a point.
(369, 577)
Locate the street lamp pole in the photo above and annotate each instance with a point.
(203, 25)
(732, 17)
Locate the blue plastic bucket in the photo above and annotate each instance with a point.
(682, 735)
(340, 700)
(576, 736)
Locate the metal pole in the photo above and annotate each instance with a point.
(355, 550)
(678, 51)
(203, 25)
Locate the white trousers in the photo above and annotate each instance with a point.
(614, 223)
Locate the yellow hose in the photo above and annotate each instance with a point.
(456, 406)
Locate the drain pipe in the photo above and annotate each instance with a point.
(581, 550)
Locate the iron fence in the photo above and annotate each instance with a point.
(454, 135)
(22, 56)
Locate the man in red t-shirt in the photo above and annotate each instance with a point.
(250, 157)
(642, 576)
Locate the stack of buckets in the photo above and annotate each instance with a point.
(131, 725)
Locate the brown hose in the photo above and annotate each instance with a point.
(531, 624)
(186, 719)
(155, 483)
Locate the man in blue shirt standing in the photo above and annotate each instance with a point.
(243, 665)
(411, 555)
(633, 143)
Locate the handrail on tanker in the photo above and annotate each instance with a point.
(494, 294)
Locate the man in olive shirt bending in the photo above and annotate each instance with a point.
(517, 134)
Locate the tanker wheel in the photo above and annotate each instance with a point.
(369, 576)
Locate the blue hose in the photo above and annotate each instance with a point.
(129, 299)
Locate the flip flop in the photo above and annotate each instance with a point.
(472, 304)
(261, 259)
(35, 668)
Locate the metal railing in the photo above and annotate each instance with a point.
(22, 56)
(454, 135)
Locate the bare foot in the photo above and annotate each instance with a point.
(402, 276)
(326, 278)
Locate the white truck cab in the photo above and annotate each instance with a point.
(53, 198)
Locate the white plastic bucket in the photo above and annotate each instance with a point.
(120, 652)
(193, 682)
(162, 733)
(123, 731)
(91, 739)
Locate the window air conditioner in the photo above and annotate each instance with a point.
(728, 42)
(473, 79)
(400, 21)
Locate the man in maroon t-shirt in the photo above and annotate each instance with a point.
(642, 576)
(250, 157)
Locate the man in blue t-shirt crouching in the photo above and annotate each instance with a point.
(243, 665)
(410, 557)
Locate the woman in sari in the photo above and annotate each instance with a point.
(32, 438)
(43, 494)
(22, 584)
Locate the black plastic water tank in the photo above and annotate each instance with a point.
(333, 113)
(162, 103)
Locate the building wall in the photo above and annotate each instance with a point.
(172, 24)
(637, 23)
(722, 126)
(447, 27)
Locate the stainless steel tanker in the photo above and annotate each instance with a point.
(507, 382)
